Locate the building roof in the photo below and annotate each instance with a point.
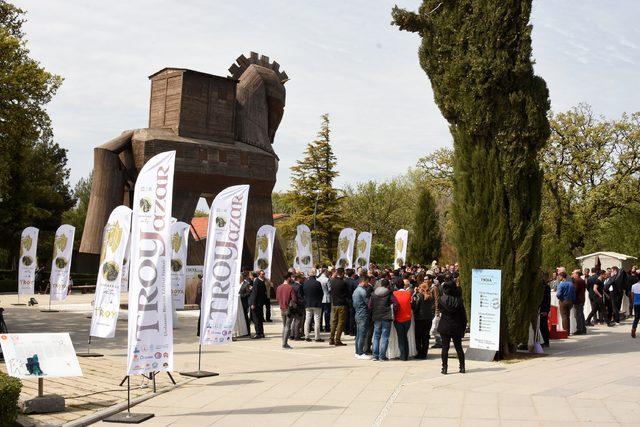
(615, 255)
(200, 225)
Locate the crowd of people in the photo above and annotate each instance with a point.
(391, 313)
(605, 289)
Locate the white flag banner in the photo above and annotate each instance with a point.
(150, 317)
(106, 307)
(179, 242)
(28, 261)
(363, 249)
(265, 238)
(222, 262)
(61, 262)
(124, 282)
(400, 252)
(304, 259)
(346, 242)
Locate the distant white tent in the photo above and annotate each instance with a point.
(607, 260)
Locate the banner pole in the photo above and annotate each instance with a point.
(88, 353)
(199, 373)
(128, 396)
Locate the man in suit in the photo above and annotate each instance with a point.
(312, 294)
(257, 299)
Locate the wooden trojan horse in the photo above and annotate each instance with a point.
(222, 129)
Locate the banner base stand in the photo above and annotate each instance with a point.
(49, 311)
(89, 355)
(19, 303)
(480, 355)
(128, 418)
(199, 374)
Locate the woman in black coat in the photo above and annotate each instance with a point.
(423, 311)
(453, 323)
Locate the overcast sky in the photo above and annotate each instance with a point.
(343, 58)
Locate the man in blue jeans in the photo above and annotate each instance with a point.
(361, 315)
(566, 298)
(635, 291)
(380, 304)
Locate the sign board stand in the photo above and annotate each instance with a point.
(43, 404)
(19, 303)
(128, 417)
(48, 310)
(484, 342)
(199, 373)
(39, 355)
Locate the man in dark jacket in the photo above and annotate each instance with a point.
(545, 307)
(380, 306)
(580, 287)
(339, 306)
(352, 283)
(245, 291)
(257, 299)
(297, 327)
(618, 282)
(312, 294)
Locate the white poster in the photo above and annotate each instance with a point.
(28, 261)
(106, 307)
(400, 248)
(346, 242)
(179, 242)
(193, 282)
(304, 259)
(40, 355)
(124, 283)
(265, 238)
(61, 262)
(222, 263)
(485, 309)
(150, 317)
(363, 249)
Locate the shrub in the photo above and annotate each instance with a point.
(9, 394)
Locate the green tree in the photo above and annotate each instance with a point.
(382, 209)
(312, 190)
(425, 242)
(33, 169)
(591, 179)
(477, 55)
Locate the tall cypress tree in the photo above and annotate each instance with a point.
(477, 54)
(426, 238)
(312, 190)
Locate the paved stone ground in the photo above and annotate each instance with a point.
(586, 380)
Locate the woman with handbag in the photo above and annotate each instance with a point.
(453, 323)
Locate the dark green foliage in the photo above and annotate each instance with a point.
(9, 394)
(33, 169)
(477, 54)
(312, 189)
(426, 240)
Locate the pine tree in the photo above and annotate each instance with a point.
(477, 54)
(426, 238)
(312, 189)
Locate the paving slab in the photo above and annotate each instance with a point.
(578, 382)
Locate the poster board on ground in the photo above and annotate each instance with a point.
(484, 341)
(40, 355)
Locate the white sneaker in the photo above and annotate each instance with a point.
(363, 357)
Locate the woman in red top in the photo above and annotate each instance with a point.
(402, 320)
